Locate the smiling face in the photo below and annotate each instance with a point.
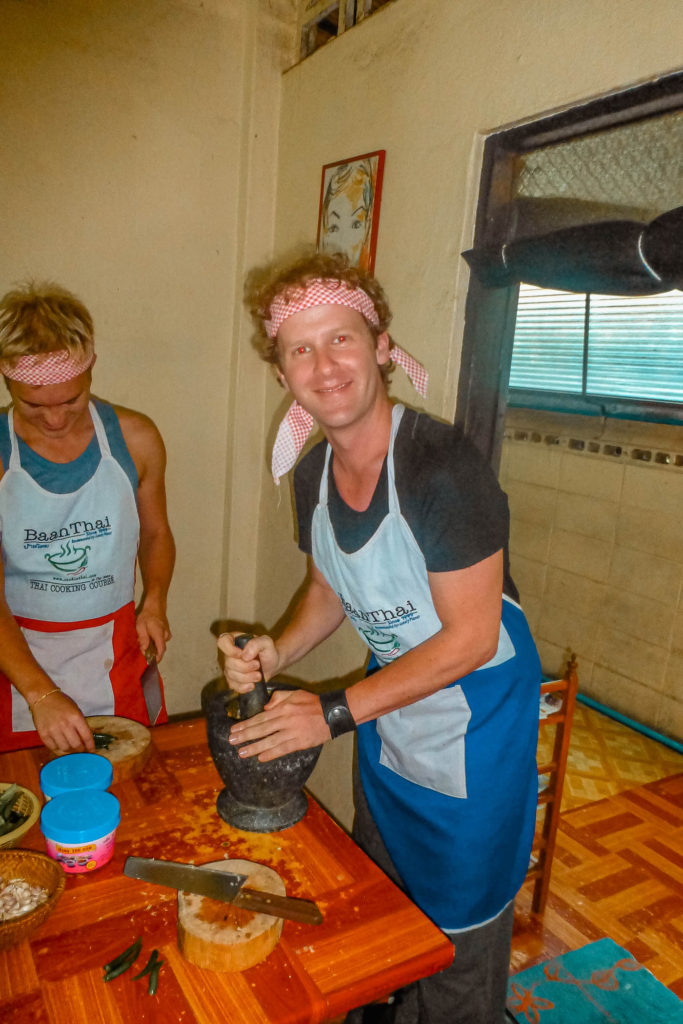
(329, 360)
(51, 411)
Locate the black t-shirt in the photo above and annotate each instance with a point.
(447, 492)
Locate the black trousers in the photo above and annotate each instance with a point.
(473, 989)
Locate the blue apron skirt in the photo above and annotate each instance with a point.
(462, 859)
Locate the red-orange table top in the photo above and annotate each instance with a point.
(373, 939)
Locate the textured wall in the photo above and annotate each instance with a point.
(138, 169)
(597, 553)
(426, 82)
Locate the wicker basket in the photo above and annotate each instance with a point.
(38, 869)
(26, 803)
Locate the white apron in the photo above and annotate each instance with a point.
(423, 742)
(451, 779)
(69, 563)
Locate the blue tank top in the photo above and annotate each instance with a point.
(63, 478)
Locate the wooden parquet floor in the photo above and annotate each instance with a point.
(606, 757)
(618, 867)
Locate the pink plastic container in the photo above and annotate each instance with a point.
(80, 829)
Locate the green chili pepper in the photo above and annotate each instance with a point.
(149, 966)
(103, 740)
(154, 978)
(8, 799)
(14, 821)
(121, 969)
(127, 957)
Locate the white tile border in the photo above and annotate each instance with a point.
(610, 450)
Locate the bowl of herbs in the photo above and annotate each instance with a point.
(19, 811)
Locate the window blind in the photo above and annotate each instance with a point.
(599, 345)
(635, 347)
(547, 352)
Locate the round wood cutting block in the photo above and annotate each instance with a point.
(221, 937)
(130, 749)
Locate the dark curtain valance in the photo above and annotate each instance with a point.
(612, 257)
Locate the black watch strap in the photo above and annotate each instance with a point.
(336, 711)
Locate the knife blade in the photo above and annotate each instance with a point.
(151, 685)
(221, 885)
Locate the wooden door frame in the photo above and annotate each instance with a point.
(490, 312)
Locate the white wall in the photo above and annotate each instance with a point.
(426, 82)
(139, 161)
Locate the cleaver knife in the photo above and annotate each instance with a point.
(221, 885)
(151, 685)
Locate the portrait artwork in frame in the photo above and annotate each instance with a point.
(348, 217)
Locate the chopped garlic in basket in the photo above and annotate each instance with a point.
(17, 897)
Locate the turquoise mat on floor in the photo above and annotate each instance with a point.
(598, 984)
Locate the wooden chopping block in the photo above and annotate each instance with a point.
(130, 749)
(221, 937)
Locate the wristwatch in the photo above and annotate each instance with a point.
(336, 711)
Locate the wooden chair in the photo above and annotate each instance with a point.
(550, 796)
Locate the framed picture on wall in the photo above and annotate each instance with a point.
(348, 217)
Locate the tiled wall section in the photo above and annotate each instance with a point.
(596, 549)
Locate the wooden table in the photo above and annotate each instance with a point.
(373, 939)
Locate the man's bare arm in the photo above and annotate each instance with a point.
(156, 553)
(468, 603)
(57, 719)
(316, 616)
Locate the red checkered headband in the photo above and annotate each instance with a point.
(319, 293)
(47, 367)
(298, 424)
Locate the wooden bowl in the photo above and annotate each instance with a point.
(37, 869)
(26, 803)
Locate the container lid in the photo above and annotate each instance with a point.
(80, 817)
(75, 771)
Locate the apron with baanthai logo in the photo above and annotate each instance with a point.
(69, 565)
(451, 779)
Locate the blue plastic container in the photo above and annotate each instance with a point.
(74, 772)
(80, 829)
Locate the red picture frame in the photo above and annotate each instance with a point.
(348, 212)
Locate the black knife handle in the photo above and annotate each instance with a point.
(290, 907)
(254, 702)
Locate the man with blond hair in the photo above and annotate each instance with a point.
(406, 531)
(82, 501)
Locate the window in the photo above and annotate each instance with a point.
(320, 21)
(524, 194)
(599, 354)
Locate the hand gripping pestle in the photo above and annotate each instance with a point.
(254, 702)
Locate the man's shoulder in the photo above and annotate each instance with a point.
(425, 428)
(423, 436)
(124, 414)
(435, 457)
(309, 468)
(140, 434)
(136, 427)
